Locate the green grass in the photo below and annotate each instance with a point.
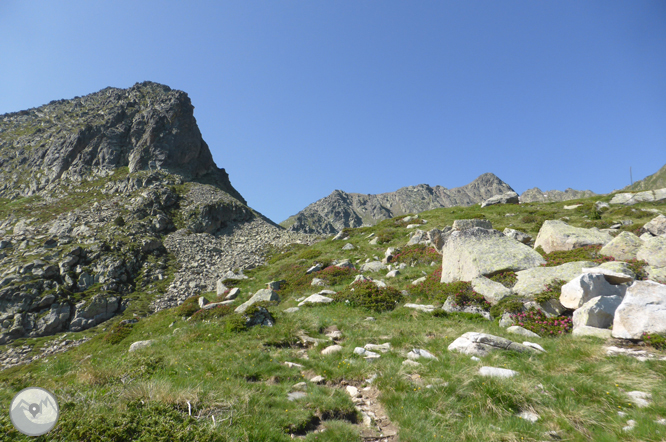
(238, 375)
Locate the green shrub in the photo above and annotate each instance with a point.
(386, 235)
(528, 219)
(552, 291)
(469, 299)
(656, 341)
(366, 294)
(508, 279)
(537, 322)
(309, 254)
(219, 311)
(511, 304)
(118, 333)
(587, 253)
(189, 307)
(417, 254)
(637, 266)
(337, 275)
(464, 316)
(235, 324)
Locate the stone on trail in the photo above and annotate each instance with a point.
(497, 372)
(533, 281)
(492, 291)
(477, 252)
(643, 310)
(557, 235)
(260, 296)
(518, 330)
(581, 289)
(624, 246)
(653, 251)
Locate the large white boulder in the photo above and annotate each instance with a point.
(505, 198)
(481, 344)
(653, 251)
(533, 281)
(643, 310)
(625, 246)
(597, 312)
(373, 266)
(584, 287)
(557, 235)
(657, 226)
(640, 197)
(476, 252)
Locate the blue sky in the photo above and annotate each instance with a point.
(298, 98)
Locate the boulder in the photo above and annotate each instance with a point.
(331, 349)
(139, 345)
(478, 252)
(373, 266)
(517, 235)
(385, 347)
(348, 246)
(653, 251)
(313, 269)
(584, 330)
(505, 198)
(439, 237)
(275, 285)
(203, 301)
(657, 274)
(221, 288)
(393, 273)
(629, 199)
(643, 310)
(345, 264)
(261, 296)
(657, 226)
(492, 291)
(418, 281)
(481, 344)
(233, 294)
(260, 316)
(450, 307)
(557, 235)
(611, 276)
(419, 237)
(518, 330)
(597, 312)
(315, 299)
(584, 287)
(534, 280)
(341, 235)
(464, 224)
(316, 282)
(95, 311)
(418, 353)
(624, 246)
(360, 278)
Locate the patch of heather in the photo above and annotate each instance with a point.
(417, 254)
(656, 341)
(537, 322)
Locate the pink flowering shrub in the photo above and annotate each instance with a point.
(537, 322)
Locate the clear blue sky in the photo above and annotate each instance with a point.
(298, 98)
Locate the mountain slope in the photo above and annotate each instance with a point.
(652, 182)
(340, 209)
(537, 195)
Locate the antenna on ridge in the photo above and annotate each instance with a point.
(630, 177)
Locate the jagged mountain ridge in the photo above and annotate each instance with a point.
(341, 209)
(148, 126)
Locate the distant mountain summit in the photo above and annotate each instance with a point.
(653, 182)
(148, 126)
(341, 209)
(537, 195)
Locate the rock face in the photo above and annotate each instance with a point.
(558, 235)
(597, 312)
(125, 198)
(653, 251)
(341, 209)
(146, 126)
(624, 246)
(261, 296)
(656, 226)
(533, 281)
(643, 310)
(479, 252)
(535, 195)
(583, 288)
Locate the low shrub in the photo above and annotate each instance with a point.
(528, 219)
(119, 221)
(118, 333)
(309, 254)
(469, 298)
(656, 341)
(216, 312)
(431, 288)
(511, 304)
(552, 291)
(189, 307)
(386, 235)
(637, 266)
(508, 279)
(537, 322)
(366, 294)
(337, 275)
(234, 324)
(464, 316)
(417, 254)
(587, 253)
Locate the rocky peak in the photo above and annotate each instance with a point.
(146, 127)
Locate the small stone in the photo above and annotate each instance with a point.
(533, 345)
(140, 344)
(291, 310)
(418, 353)
(293, 364)
(331, 349)
(410, 363)
(353, 391)
(300, 386)
(497, 372)
(383, 347)
(640, 398)
(474, 358)
(516, 329)
(318, 380)
(296, 395)
(528, 416)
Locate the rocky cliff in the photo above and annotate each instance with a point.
(112, 204)
(340, 209)
(537, 195)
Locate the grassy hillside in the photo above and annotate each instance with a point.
(207, 378)
(652, 182)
